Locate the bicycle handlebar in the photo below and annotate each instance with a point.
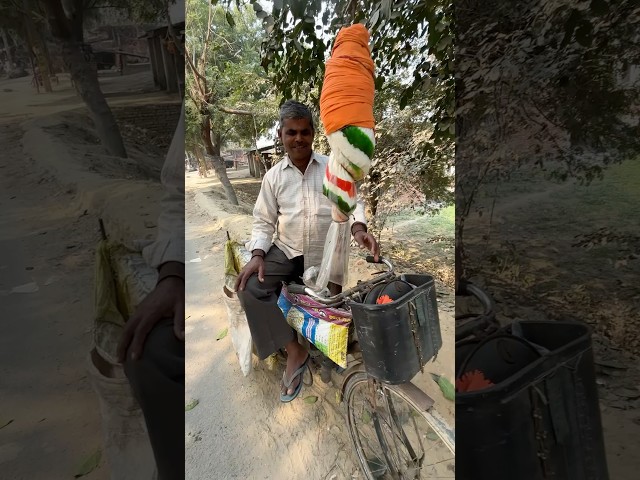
(475, 321)
(340, 298)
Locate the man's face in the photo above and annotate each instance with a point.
(297, 137)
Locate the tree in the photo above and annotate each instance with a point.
(412, 47)
(26, 19)
(227, 95)
(65, 21)
(68, 29)
(542, 83)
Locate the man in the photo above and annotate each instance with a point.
(152, 345)
(290, 205)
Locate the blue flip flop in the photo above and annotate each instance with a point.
(287, 383)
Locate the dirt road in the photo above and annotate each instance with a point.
(47, 253)
(50, 420)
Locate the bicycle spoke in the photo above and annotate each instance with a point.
(395, 440)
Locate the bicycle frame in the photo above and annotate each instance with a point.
(341, 298)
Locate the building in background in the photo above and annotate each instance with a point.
(167, 60)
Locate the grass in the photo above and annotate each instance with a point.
(530, 258)
(411, 223)
(420, 243)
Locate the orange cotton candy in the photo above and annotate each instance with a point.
(348, 89)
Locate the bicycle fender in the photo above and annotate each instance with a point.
(356, 367)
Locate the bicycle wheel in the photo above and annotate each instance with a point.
(393, 437)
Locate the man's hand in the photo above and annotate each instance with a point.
(256, 264)
(368, 241)
(166, 300)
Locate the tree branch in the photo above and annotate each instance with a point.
(206, 40)
(198, 77)
(234, 111)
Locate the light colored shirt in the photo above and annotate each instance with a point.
(292, 213)
(169, 243)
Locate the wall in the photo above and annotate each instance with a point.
(158, 120)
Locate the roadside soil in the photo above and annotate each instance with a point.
(523, 249)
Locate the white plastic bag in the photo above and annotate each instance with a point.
(239, 330)
(335, 258)
(126, 441)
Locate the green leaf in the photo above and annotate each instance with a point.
(89, 465)
(599, 7)
(191, 405)
(584, 34)
(230, 20)
(256, 7)
(262, 14)
(446, 387)
(374, 19)
(310, 399)
(444, 42)
(431, 435)
(366, 417)
(222, 334)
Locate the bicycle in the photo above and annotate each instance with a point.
(394, 428)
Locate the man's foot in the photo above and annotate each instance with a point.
(297, 359)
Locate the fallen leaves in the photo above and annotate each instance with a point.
(222, 334)
(90, 464)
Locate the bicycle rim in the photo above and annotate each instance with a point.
(395, 439)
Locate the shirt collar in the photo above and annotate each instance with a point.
(288, 163)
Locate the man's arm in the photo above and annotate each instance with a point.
(359, 231)
(265, 217)
(358, 220)
(166, 254)
(168, 247)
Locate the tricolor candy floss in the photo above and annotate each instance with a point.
(349, 162)
(346, 110)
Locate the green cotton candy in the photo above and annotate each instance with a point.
(359, 140)
(340, 202)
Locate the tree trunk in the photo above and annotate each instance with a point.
(83, 74)
(46, 56)
(33, 40)
(213, 150)
(85, 79)
(7, 47)
(459, 268)
(202, 163)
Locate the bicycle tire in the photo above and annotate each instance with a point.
(379, 462)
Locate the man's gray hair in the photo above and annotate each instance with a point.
(295, 110)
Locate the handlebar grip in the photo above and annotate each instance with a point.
(296, 288)
(370, 259)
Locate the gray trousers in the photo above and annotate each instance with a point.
(157, 380)
(269, 329)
